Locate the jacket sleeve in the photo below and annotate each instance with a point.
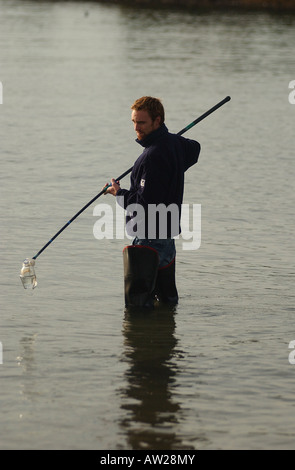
(147, 187)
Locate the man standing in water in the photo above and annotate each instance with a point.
(157, 182)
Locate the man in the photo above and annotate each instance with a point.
(157, 182)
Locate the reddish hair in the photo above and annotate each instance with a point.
(152, 105)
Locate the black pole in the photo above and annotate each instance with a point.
(211, 110)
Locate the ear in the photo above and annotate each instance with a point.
(157, 121)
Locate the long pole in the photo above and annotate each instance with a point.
(211, 110)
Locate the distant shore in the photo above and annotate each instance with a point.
(279, 5)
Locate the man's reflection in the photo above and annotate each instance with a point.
(152, 413)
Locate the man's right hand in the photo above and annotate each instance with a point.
(113, 189)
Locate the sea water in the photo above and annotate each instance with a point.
(78, 371)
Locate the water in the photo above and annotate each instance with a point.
(78, 372)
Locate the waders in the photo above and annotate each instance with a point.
(144, 282)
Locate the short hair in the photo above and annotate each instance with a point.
(152, 105)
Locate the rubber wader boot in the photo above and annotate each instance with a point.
(140, 272)
(165, 289)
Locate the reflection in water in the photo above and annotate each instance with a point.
(26, 359)
(152, 413)
(27, 353)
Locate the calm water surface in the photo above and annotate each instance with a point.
(78, 372)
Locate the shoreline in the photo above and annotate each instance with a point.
(262, 5)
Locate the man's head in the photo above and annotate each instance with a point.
(147, 115)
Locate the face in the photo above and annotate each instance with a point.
(143, 123)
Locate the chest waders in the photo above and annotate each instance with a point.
(144, 282)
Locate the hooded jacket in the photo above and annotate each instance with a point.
(153, 202)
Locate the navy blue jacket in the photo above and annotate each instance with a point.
(158, 176)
